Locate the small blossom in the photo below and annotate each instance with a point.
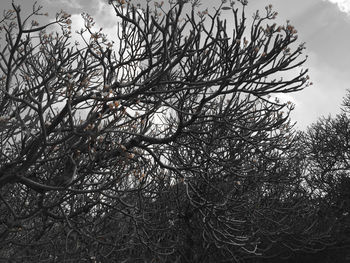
(4, 118)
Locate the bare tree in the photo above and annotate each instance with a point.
(128, 152)
(327, 154)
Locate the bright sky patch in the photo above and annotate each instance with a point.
(343, 5)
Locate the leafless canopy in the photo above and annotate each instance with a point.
(174, 139)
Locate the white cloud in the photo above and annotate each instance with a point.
(343, 5)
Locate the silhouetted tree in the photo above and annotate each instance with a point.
(327, 148)
(165, 147)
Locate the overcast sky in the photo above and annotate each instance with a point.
(323, 24)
